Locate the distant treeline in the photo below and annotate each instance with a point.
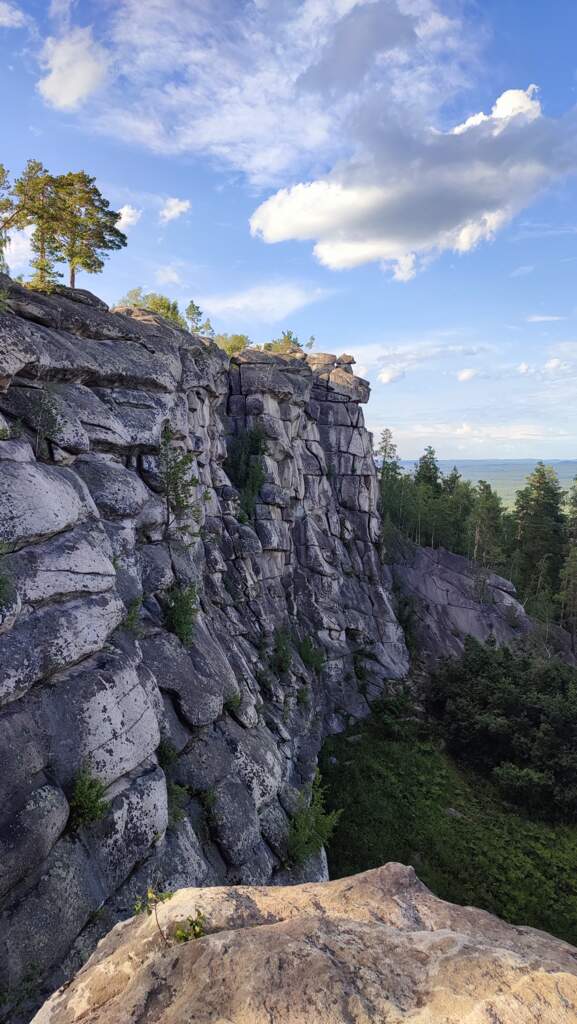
(534, 544)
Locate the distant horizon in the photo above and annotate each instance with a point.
(491, 458)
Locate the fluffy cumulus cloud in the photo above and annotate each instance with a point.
(392, 363)
(416, 192)
(172, 209)
(267, 303)
(11, 16)
(129, 216)
(76, 66)
(168, 275)
(337, 106)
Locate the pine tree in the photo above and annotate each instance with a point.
(86, 226)
(572, 511)
(427, 469)
(568, 594)
(194, 315)
(540, 535)
(36, 202)
(7, 213)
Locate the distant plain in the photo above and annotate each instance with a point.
(506, 476)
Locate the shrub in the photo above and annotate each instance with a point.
(311, 826)
(244, 467)
(166, 754)
(177, 799)
(303, 697)
(193, 929)
(178, 482)
(281, 658)
(181, 611)
(233, 702)
(87, 803)
(4, 589)
(131, 621)
(311, 656)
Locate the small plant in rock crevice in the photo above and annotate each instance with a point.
(243, 465)
(177, 480)
(193, 929)
(312, 825)
(87, 803)
(233, 702)
(303, 697)
(166, 754)
(281, 658)
(180, 612)
(311, 656)
(149, 904)
(132, 620)
(177, 797)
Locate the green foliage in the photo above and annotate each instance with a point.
(166, 754)
(149, 904)
(193, 929)
(232, 344)
(568, 593)
(281, 658)
(311, 826)
(303, 697)
(72, 221)
(513, 717)
(5, 588)
(180, 612)
(285, 345)
(87, 803)
(311, 655)
(243, 465)
(156, 303)
(405, 800)
(4, 431)
(233, 702)
(193, 314)
(177, 480)
(132, 620)
(178, 798)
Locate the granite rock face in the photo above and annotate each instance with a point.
(203, 748)
(373, 948)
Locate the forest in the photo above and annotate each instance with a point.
(534, 544)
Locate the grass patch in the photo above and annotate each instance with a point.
(406, 800)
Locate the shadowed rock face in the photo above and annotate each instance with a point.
(375, 948)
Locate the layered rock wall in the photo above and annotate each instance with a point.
(202, 749)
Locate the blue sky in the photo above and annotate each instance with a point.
(395, 177)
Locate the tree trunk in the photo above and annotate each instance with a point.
(72, 276)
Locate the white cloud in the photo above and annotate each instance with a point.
(414, 193)
(266, 303)
(11, 16)
(18, 252)
(467, 374)
(539, 318)
(393, 362)
(76, 66)
(522, 271)
(129, 216)
(168, 275)
(523, 369)
(173, 208)
(61, 10)
(512, 103)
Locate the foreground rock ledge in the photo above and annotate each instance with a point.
(378, 947)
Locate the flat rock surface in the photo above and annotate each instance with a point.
(378, 947)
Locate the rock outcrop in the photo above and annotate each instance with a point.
(377, 947)
(200, 750)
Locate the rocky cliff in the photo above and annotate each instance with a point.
(116, 517)
(365, 950)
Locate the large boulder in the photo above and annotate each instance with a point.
(377, 947)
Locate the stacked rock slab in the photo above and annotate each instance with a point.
(202, 750)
